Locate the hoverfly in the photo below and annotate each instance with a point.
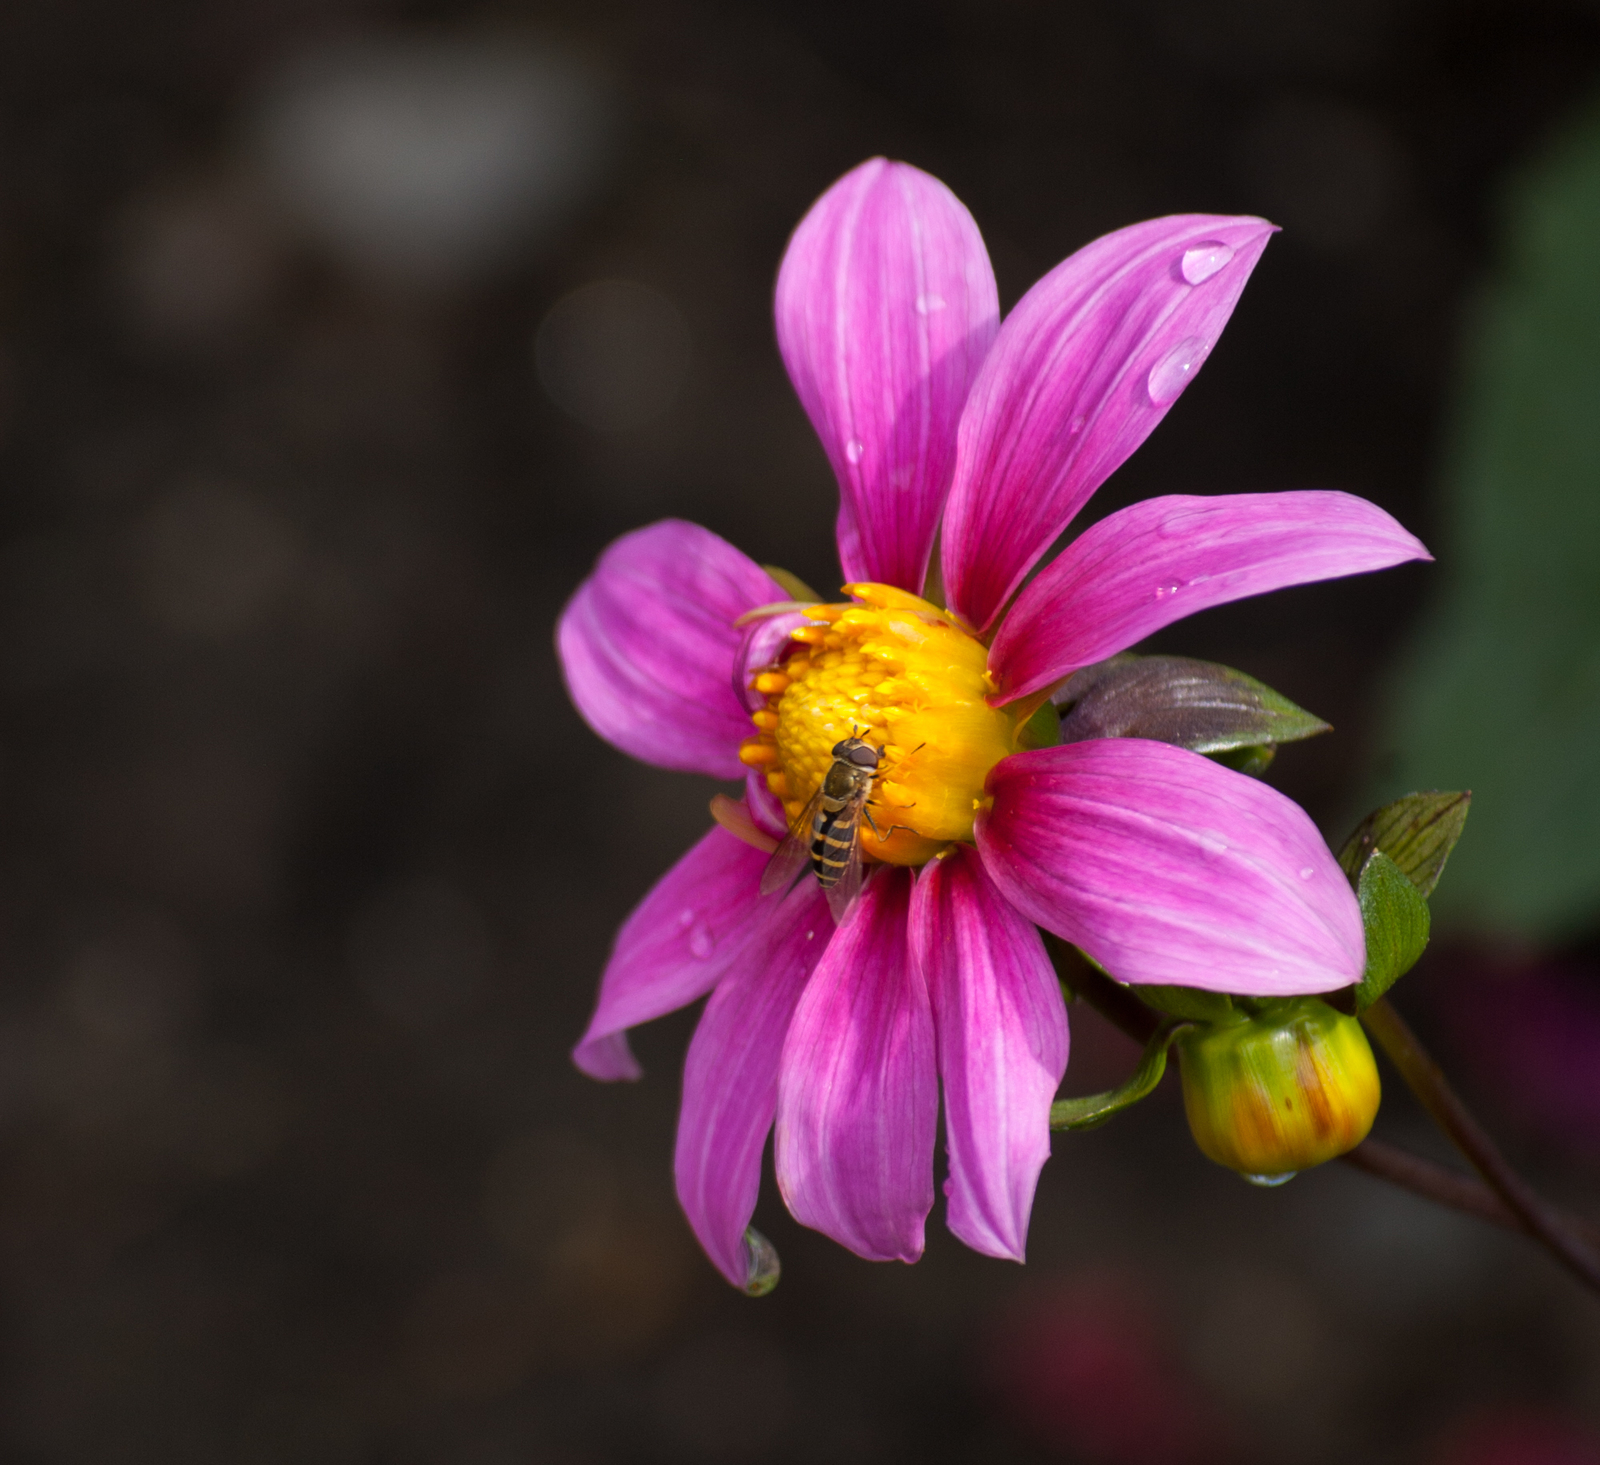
(828, 831)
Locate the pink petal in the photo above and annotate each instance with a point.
(1082, 371)
(730, 1078)
(885, 307)
(677, 944)
(766, 809)
(1167, 867)
(647, 645)
(1002, 1030)
(1154, 563)
(858, 1090)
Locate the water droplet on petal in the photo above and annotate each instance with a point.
(686, 918)
(701, 942)
(1269, 1181)
(762, 1267)
(854, 449)
(1076, 425)
(1212, 845)
(1202, 261)
(1163, 591)
(1306, 872)
(931, 304)
(1170, 375)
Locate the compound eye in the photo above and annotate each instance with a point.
(841, 749)
(864, 755)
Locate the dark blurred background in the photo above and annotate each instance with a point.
(336, 339)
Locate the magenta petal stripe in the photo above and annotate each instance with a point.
(1082, 371)
(647, 646)
(730, 1077)
(1154, 563)
(1167, 867)
(1002, 1036)
(677, 944)
(885, 308)
(858, 1091)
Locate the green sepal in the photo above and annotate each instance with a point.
(1093, 1110)
(1042, 730)
(1187, 1002)
(797, 588)
(1395, 918)
(1416, 832)
(1252, 761)
(762, 1265)
(1198, 705)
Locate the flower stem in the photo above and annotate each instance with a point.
(1506, 1200)
(1559, 1233)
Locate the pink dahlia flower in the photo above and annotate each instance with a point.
(1162, 865)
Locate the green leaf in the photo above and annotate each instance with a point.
(1499, 688)
(1093, 1110)
(797, 588)
(1416, 832)
(1253, 760)
(1042, 730)
(1197, 705)
(1186, 1002)
(1395, 918)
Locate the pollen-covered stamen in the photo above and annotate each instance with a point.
(908, 678)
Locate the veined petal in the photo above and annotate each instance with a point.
(1157, 561)
(1002, 1034)
(858, 1090)
(1082, 371)
(679, 941)
(730, 1077)
(886, 306)
(1167, 867)
(647, 646)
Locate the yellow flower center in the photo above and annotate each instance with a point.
(912, 681)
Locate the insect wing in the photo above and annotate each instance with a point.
(843, 892)
(794, 854)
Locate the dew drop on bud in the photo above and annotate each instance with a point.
(1170, 375)
(1202, 261)
(763, 1267)
(854, 449)
(1268, 1182)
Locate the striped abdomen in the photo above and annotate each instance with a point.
(838, 818)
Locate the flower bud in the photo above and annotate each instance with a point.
(1285, 1087)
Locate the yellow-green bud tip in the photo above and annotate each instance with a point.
(1279, 1091)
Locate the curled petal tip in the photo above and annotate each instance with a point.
(607, 1058)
